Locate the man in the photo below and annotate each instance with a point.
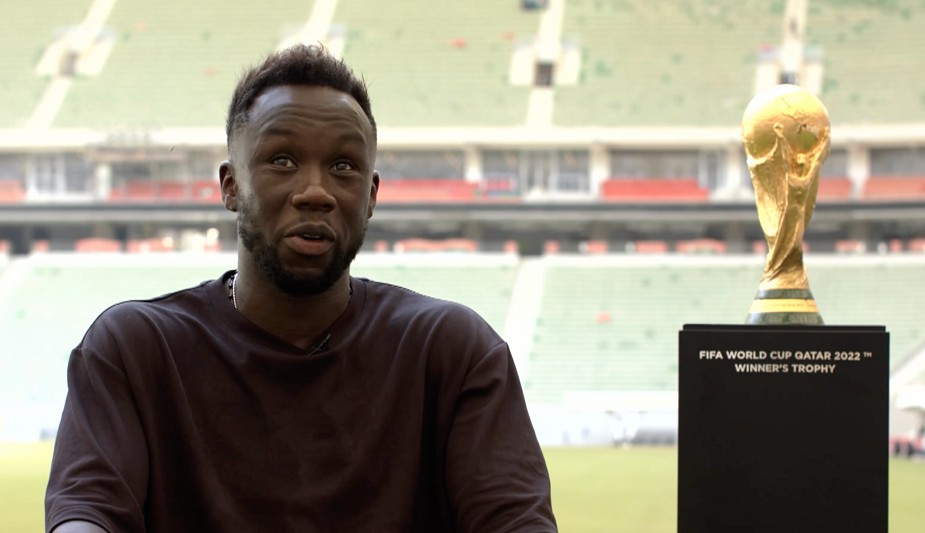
(288, 395)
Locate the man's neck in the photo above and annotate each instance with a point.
(300, 320)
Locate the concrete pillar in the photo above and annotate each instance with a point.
(29, 172)
(599, 167)
(102, 175)
(473, 164)
(734, 235)
(858, 168)
(735, 184)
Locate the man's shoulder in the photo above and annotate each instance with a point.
(165, 303)
(403, 299)
(406, 308)
(131, 315)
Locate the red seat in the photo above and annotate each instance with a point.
(653, 190)
(894, 188)
(429, 245)
(97, 245)
(206, 191)
(594, 247)
(696, 246)
(173, 190)
(834, 189)
(406, 190)
(11, 191)
(150, 245)
(133, 190)
(850, 246)
(650, 247)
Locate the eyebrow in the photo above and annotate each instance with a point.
(276, 131)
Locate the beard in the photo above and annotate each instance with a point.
(290, 282)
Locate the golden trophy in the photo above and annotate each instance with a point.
(785, 130)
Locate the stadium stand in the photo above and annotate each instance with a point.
(834, 190)
(482, 281)
(605, 320)
(594, 247)
(48, 300)
(24, 34)
(860, 86)
(846, 289)
(700, 246)
(602, 322)
(896, 188)
(97, 245)
(643, 62)
(207, 191)
(432, 245)
(453, 60)
(148, 190)
(850, 246)
(654, 190)
(133, 190)
(417, 190)
(11, 191)
(142, 246)
(648, 247)
(174, 71)
(611, 323)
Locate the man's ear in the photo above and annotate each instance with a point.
(229, 185)
(373, 192)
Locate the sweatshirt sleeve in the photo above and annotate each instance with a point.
(99, 470)
(496, 474)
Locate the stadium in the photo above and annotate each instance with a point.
(571, 169)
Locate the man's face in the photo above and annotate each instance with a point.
(302, 181)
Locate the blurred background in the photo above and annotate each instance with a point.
(571, 169)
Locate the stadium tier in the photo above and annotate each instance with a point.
(449, 67)
(671, 63)
(611, 324)
(872, 290)
(47, 301)
(600, 323)
(26, 28)
(174, 64)
(861, 87)
(124, 101)
(482, 282)
(137, 64)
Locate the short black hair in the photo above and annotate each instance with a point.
(297, 65)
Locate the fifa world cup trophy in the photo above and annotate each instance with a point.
(785, 131)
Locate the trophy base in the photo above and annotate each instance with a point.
(784, 306)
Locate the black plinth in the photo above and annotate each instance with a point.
(783, 429)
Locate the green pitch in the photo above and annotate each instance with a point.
(634, 490)
(606, 490)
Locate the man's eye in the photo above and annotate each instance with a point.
(283, 161)
(342, 166)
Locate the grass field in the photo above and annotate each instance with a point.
(595, 490)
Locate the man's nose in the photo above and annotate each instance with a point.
(312, 191)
